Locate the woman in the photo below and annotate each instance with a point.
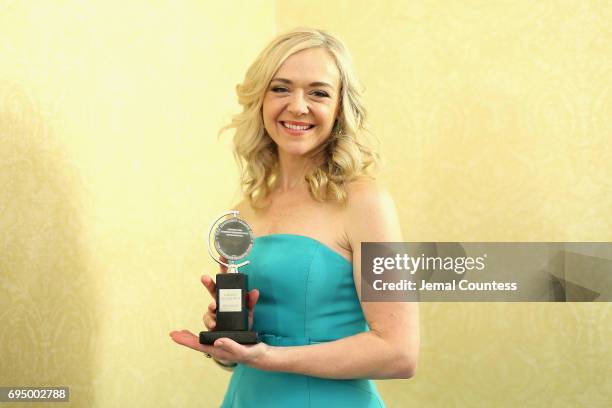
(311, 203)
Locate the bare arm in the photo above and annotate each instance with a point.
(390, 348)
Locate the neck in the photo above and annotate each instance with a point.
(291, 172)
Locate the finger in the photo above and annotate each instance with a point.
(210, 324)
(208, 282)
(209, 321)
(212, 306)
(252, 298)
(228, 347)
(223, 268)
(188, 339)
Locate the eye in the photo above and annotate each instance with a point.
(321, 94)
(279, 89)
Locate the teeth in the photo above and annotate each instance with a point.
(295, 127)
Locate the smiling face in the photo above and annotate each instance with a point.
(302, 101)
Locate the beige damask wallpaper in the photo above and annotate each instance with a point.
(494, 118)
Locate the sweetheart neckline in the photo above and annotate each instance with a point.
(327, 247)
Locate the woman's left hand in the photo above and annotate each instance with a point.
(225, 349)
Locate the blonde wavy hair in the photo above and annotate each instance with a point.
(345, 156)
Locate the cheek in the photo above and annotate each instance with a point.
(325, 115)
(270, 112)
(267, 114)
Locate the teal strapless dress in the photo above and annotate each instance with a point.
(307, 296)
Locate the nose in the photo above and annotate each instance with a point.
(297, 104)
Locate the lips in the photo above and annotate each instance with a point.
(296, 128)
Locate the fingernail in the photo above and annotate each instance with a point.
(219, 343)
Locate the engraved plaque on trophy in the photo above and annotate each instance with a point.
(233, 239)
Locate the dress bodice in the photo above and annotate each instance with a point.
(306, 291)
(306, 296)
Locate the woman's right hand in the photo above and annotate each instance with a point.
(210, 317)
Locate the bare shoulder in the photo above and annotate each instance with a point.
(367, 196)
(245, 211)
(366, 189)
(243, 206)
(371, 214)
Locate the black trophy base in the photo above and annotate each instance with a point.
(242, 337)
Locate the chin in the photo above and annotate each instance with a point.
(294, 151)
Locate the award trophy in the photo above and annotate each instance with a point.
(233, 240)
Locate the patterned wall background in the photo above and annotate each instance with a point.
(494, 117)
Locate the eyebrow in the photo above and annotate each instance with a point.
(288, 82)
